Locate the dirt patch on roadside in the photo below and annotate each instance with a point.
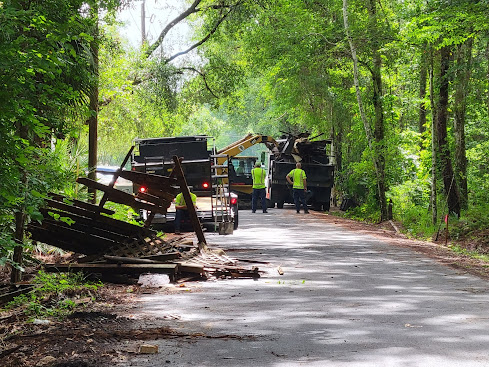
(434, 250)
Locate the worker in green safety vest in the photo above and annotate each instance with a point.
(298, 179)
(181, 210)
(258, 175)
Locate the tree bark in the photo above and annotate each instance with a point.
(462, 77)
(20, 217)
(433, 196)
(450, 186)
(487, 59)
(17, 258)
(423, 71)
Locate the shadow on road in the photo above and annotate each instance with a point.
(344, 299)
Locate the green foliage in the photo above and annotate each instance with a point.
(416, 222)
(55, 295)
(123, 213)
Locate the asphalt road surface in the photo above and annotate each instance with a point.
(345, 299)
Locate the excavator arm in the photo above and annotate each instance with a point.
(248, 141)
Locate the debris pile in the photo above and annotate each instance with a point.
(112, 248)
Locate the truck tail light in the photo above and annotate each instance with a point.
(205, 185)
(234, 201)
(142, 189)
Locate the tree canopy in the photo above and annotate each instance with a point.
(402, 88)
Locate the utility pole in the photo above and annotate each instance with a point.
(143, 23)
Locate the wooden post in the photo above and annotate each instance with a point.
(446, 230)
(389, 210)
(188, 201)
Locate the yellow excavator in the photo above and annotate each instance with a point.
(240, 166)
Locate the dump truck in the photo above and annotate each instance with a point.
(315, 161)
(280, 158)
(215, 202)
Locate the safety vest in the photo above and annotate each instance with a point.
(180, 200)
(258, 174)
(298, 176)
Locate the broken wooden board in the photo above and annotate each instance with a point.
(152, 181)
(114, 268)
(121, 197)
(80, 204)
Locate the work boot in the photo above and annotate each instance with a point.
(253, 211)
(306, 211)
(265, 211)
(177, 231)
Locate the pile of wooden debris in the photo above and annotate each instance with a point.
(112, 248)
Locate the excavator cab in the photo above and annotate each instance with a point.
(240, 170)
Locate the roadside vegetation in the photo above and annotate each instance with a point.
(55, 296)
(400, 87)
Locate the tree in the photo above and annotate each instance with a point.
(45, 78)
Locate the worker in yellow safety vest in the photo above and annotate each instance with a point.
(298, 179)
(258, 175)
(181, 210)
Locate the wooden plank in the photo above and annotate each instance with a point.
(91, 226)
(73, 240)
(81, 204)
(161, 201)
(151, 181)
(190, 268)
(120, 225)
(121, 197)
(188, 200)
(129, 260)
(114, 268)
(164, 257)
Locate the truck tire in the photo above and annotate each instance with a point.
(326, 206)
(235, 221)
(280, 204)
(316, 206)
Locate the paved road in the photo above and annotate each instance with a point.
(345, 299)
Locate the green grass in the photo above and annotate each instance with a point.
(473, 254)
(55, 295)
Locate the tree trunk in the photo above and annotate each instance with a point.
(433, 196)
(20, 217)
(462, 77)
(450, 186)
(375, 139)
(379, 110)
(487, 59)
(16, 274)
(423, 71)
(93, 119)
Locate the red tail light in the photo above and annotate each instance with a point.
(234, 201)
(142, 189)
(205, 185)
